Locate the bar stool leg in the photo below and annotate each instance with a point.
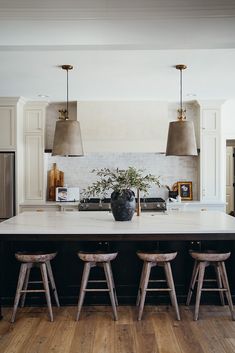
(170, 282)
(22, 274)
(85, 276)
(226, 286)
(52, 281)
(25, 286)
(202, 266)
(108, 275)
(140, 285)
(43, 269)
(144, 286)
(219, 282)
(192, 282)
(113, 284)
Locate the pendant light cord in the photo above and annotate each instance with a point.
(181, 91)
(67, 93)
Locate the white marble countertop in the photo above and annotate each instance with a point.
(103, 223)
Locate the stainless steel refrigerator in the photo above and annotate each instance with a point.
(7, 185)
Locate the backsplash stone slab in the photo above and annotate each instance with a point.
(171, 169)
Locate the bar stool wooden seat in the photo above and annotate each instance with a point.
(28, 261)
(98, 259)
(201, 261)
(151, 259)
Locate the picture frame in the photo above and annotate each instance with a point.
(61, 194)
(185, 190)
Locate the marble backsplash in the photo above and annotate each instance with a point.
(171, 169)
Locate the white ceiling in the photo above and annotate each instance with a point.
(120, 49)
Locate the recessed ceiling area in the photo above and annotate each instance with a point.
(121, 50)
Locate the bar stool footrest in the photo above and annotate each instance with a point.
(214, 290)
(33, 291)
(158, 290)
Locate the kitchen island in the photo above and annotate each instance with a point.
(204, 225)
(70, 231)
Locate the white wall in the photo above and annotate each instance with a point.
(124, 126)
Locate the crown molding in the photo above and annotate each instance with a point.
(211, 104)
(12, 100)
(36, 104)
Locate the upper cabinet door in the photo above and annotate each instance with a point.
(210, 156)
(33, 167)
(33, 120)
(210, 120)
(7, 131)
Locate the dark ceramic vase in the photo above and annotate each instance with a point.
(123, 205)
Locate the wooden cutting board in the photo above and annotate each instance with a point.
(55, 179)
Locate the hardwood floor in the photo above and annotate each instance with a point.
(96, 332)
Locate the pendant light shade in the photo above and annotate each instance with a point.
(181, 139)
(67, 138)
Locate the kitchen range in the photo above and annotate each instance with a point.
(155, 204)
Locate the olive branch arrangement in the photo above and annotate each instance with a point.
(119, 180)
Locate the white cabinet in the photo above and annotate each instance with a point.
(7, 131)
(49, 206)
(34, 121)
(229, 179)
(34, 167)
(210, 167)
(69, 208)
(210, 121)
(11, 138)
(39, 208)
(210, 153)
(195, 206)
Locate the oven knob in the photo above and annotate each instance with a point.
(158, 205)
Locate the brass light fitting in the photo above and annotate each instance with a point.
(181, 111)
(64, 113)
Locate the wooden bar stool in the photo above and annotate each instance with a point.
(100, 259)
(151, 259)
(28, 261)
(203, 260)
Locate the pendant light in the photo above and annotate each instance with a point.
(181, 139)
(67, 138)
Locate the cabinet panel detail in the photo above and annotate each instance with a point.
(7, 123)
(33, 120)
(210, 120)
(39, 208)
(210, 167)
(33, 167)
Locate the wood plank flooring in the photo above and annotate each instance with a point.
(96, 332)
